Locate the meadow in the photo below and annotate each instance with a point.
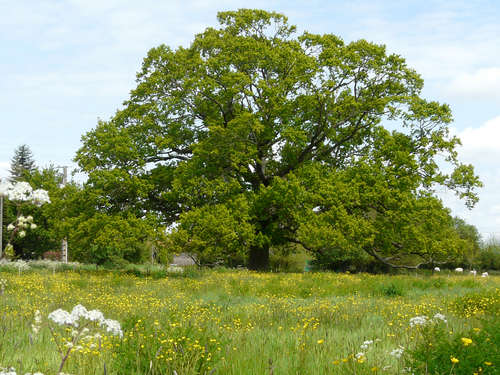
(240, 322)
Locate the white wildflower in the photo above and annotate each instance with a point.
(5, 187)
(7, 371)
(439, 316)
(398, 352)
(37, 322)
(40, 197)
(366, 344)
(473, 272)
(418, 321)
(10, 227)
(437, 269)
(94, 316)
(459, 269)
(484, 274)
(62, 317)
(79, 311)
(359, 355)
(33, 226)
(21, 191)
(113, 327)
(22, 234)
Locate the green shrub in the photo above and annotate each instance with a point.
(392, 290)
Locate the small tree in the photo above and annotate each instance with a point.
(21, 163)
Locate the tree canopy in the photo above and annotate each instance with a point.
(22, 163)
(255, 137)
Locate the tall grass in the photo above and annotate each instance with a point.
(238, 322)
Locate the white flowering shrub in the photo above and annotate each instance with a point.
(19, 193)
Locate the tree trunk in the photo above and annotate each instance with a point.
(258, 259)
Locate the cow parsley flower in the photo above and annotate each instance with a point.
(418, 321)
(40, 197)
(5, 187)
(62, 317)
(94, 316)
(37, 322)
(7, 371)
(20, 191)
(366, 344)
(398, 352)
(113, 327)
(79, 311)
(439, 316)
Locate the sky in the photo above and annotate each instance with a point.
(67, 63)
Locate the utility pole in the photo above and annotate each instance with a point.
(64, 245)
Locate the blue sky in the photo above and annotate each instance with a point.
(66, 63)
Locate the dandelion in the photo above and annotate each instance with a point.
(454, 360)
(321, 341)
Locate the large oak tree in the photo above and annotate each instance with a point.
(255, 137)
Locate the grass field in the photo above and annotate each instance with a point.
(238, 322)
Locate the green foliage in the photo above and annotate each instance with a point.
(488, 257)
(437, 348)
(277, 139)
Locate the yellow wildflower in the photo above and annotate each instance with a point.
(466, 341)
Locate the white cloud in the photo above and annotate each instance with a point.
(480, 147)
(482, 84)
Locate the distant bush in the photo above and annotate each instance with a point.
(353, 261)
